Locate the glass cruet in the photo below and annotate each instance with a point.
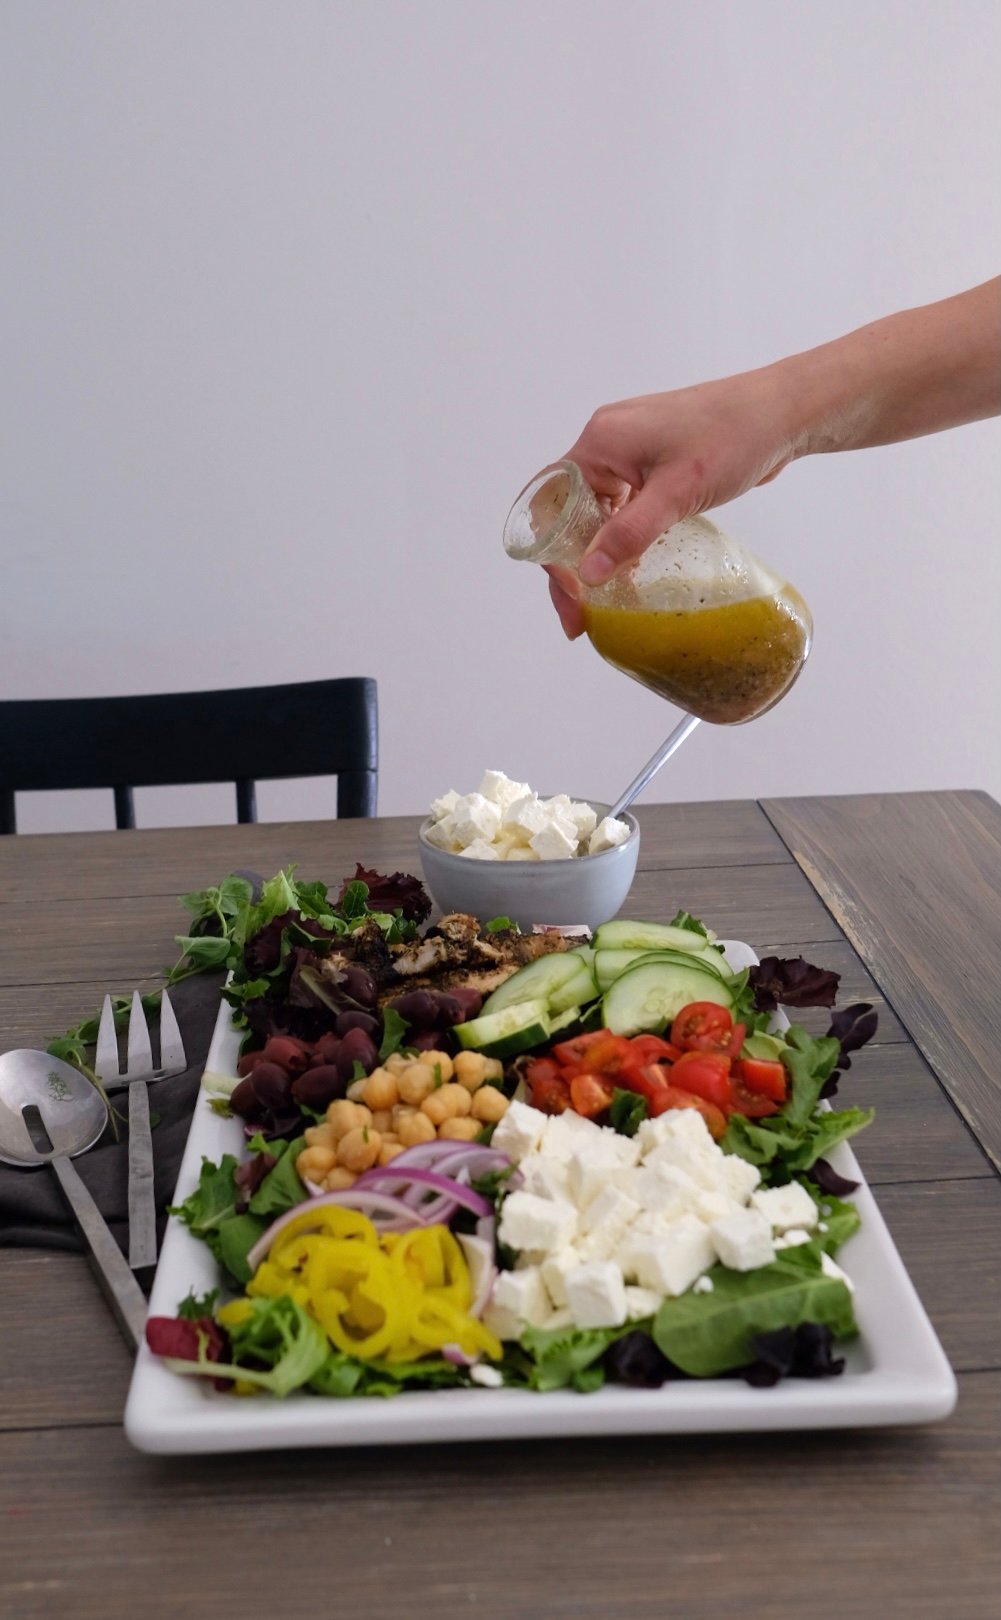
(697, 618)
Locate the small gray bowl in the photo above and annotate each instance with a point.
(588, 889)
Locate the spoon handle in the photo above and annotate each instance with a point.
(652, 766)
(124, 1295)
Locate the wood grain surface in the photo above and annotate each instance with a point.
(834, 1526)
(914, 881)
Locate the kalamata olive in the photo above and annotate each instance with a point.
(357, 1020)
(359, 984)
(243, 1100)
(357, 1047)
(325, 1048)
(425, 1040)
(470, 1001)
(450, 1009)
(286, 1051)
(418, 1007)
(248, 1063)
(319, 1087)
(272, 1086)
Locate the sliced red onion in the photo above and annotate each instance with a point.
(482, 1269)
(388, 1215)
(389, 1180)
(457, 1356)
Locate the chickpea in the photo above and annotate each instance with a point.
(344, 1116)
(396, 1063)
(489, 1105)
(380, 1091)
(441, 1062)
(460, 1130)
(416, 1128)
(389, 1150)
(314, 1163)
(448, 1102)
(320, 1136)
(360, 1149)
(402, 1111)
(416, 1081)
(471, 1069)
(337, 1180)
(356, 1090)
(382, 1120)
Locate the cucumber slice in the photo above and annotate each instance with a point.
(586, 954)
(506, 1033)
(764, 1046)
(610, 965)
(622, 935)
(710, 959)
(576, 1021)
(650, 995)
(560, 980)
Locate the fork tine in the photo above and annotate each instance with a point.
(140, 1058)
(106, 1056)
(172, 1058)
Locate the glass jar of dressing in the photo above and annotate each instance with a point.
(698, 619)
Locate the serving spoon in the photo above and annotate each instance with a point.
(44, 1099)
(684, 729)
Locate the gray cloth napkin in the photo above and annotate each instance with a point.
(32, 1211)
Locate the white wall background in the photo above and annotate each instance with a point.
(294, 298)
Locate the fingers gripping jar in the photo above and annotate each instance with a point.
(697, 618)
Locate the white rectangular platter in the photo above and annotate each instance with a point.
(895, 1372)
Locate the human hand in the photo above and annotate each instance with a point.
(662, 457)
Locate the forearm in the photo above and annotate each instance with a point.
(913, 373)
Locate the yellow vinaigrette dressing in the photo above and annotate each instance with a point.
(726, 663)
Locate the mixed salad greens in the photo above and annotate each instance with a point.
(396, 1275)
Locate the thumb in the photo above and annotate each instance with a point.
(632, 529)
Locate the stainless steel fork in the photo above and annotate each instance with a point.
(139, 1070)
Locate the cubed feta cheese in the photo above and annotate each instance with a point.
(554, 843)
(830, 1268)
(739, 1177)
(518, 1300)
(596, 1296)
(608, 834)
(486, 1376)
(567, 1134)
(641, 1303)
(604, 1223)
(584, 819)
(668, 1261)
(555, 1270)
(501, 790)
(442, 834)
(442, 807)
(519, 852)
(792, 1239)
(703, 1285)
(666, 1190)
(530, 1222)
(479, 850)
(525, 816)
(785, 1207)
(475, 817)
(743, 1240)
(519, 1131)
(546, 1178)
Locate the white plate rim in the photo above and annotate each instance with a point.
(896, 1373)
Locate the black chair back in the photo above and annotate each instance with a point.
(311, 728)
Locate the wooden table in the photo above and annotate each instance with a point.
(900, 893)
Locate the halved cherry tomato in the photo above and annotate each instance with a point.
(541, 1069)
(574, 1054)
(550, 1094)
(675, 1097)
(764, 1077)
(649, 1080)
(749, 1103)
(590, 1094)
(705, 1074)
(650, 1048)
(704, 1027)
